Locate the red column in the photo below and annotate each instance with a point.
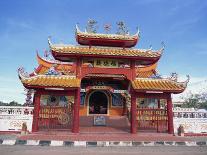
(75, 127)
(158, 103)
(133, 114)
(36, 112)
(170, 114)
(133, 70)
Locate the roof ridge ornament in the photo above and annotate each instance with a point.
(22, 74)
(91, 26)
(150, 49)
(137, 33)
(49, 41)
(185, 83)
(173, 77)
(122, 29)
(163, 48)
(77, 30)
(107, 28)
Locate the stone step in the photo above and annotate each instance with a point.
(111, 121)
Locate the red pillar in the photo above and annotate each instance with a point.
(36, 112)
(158, 103)
(133, 114)
(170, 114)
(75, 127)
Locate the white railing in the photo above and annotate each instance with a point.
(12, 118)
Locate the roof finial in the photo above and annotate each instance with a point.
(91, 26)
(138, 32)
(77, 30)
(150, 47)
(185, 83)
(174, 77)
(22, 74)
(49, 42)
(107, 28)
(163, 45)
(122, 29)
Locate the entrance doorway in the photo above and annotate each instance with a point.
(98, 103)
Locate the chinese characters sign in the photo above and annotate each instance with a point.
(109, 63)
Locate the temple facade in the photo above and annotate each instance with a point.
(101, 78)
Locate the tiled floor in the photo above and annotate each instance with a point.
(101, 134)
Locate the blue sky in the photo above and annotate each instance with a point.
(26, 24)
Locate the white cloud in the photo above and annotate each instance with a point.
(11, 89)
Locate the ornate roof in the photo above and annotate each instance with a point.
(45, 64)
(50, 81)
(146, 71)
(99, 39)
(45, 81)
(163, 85)
(74, 51)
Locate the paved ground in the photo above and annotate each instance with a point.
(64, 136)
(39, 150)
(103, 137)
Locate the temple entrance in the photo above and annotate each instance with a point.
(98, 103)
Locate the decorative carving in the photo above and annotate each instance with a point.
(107, 28)
(49, 42)
(46, 54)
(21, 72)
(28, 101)
(53, 71)
(174, 77)
(128, 101)
(122, 29)
(163, 45)
(64, 118)
(91, 26)
(184, 84)
(71, 100)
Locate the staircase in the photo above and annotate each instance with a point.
(111, 121)
(114, 124)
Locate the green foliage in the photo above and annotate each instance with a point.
(198, 101)
(12, 103)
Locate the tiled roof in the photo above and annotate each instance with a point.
(149, 84)
(44, 65)
(144, 74)
(146, 71)
(51, 81)
(104, 51)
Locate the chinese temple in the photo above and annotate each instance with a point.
(102, 78)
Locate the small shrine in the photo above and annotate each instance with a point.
(101, 78)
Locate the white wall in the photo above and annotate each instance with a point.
(12, 118)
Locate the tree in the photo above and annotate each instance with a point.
(12, 103)
(198, 101)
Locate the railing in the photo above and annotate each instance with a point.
(152, 119)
